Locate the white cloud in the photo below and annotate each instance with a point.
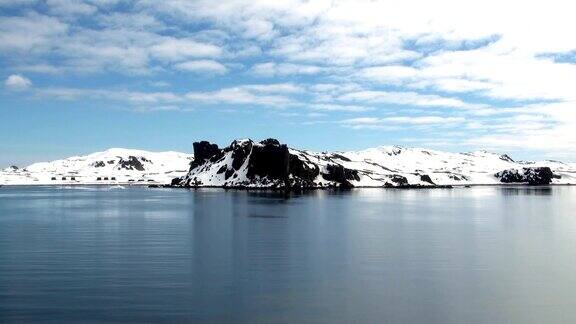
(239, 96)
(271, 69)
(30, 34)
(399, 122)
(175, 49)
(404, 98)
(274, 88)
(202, 66)
(276, 95)
(16, 82)
(16, 3)
(254, 94)
(70, 7)
(133, 97)
(337, 107)
(353, 55)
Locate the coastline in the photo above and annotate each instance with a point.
(249, 188)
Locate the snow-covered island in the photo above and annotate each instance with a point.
(270, 164)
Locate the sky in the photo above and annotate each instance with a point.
(83, 76)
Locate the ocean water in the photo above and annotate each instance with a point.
(99, 254)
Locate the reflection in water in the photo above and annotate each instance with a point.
(526, 191)
(484, 254)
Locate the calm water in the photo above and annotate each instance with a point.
(487, 254)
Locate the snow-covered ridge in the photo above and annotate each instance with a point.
(113, 166)
(270, 164)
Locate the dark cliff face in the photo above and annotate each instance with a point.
(203, 151)
(270, 159)
(532, 176)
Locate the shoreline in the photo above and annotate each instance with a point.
(248, 188)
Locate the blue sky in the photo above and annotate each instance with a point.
(83, 76)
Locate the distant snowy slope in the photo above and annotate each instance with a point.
(111, 166)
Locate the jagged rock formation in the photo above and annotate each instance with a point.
(265, 164)
(271, 164)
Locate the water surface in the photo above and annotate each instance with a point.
(93, 254)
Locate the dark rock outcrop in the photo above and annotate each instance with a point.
(301, 170)
(267, 163)
(505, 157)
(177, 182)
(131, 164)
(98, 164)
(531, 176)
(340, 174)
(270, 159)
(399, 180)
(426, 178)
(240, 151)
(203, 151)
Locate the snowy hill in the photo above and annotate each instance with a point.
(270, 164)
(113, 166)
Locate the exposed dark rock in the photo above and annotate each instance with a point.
(531, 175)
(203, 151)
(340, 157)
(13, 168)
(510, 176)
(457, 177)
(98, 164)
(222, 169)
(270, 160)
(340, 174)
(270, 141)
(299, 169)
(111, 162)
(228, 174)
(131, 164)
(505, 157)
(399, 180)
(395, 151)
(240, 151)
(426, 178)
(539, 176)
(176, 182)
